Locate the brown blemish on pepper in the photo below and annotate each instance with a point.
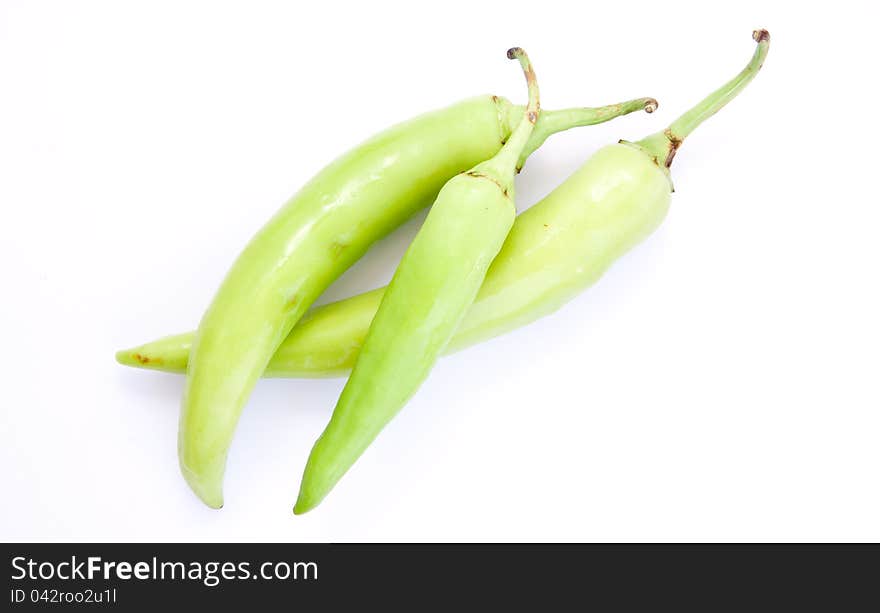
(674, 144)
(479, 175)
(144, 359)
(337, 248)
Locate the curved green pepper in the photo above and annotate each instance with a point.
(316, 236)
(436, 281)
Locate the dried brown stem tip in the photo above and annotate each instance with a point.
(761, 35)
(514, 52)
(651, 105)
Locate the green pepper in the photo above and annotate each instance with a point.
(436, 281)
(316, 236)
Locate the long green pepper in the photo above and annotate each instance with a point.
(435, 283)
(317, 235)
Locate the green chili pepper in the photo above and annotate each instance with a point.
(556, 249)
(317, 235)
(437, 280)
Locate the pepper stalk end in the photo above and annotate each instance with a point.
(662, 146)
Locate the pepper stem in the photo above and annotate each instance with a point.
(663, 145)
(503, 166)
(552, 122)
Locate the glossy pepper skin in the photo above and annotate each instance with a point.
(556, 249)
(316, 236)
(436, 281)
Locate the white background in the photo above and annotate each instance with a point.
(720, 383)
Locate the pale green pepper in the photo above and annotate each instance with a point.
(316, 236)
(435, 283)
